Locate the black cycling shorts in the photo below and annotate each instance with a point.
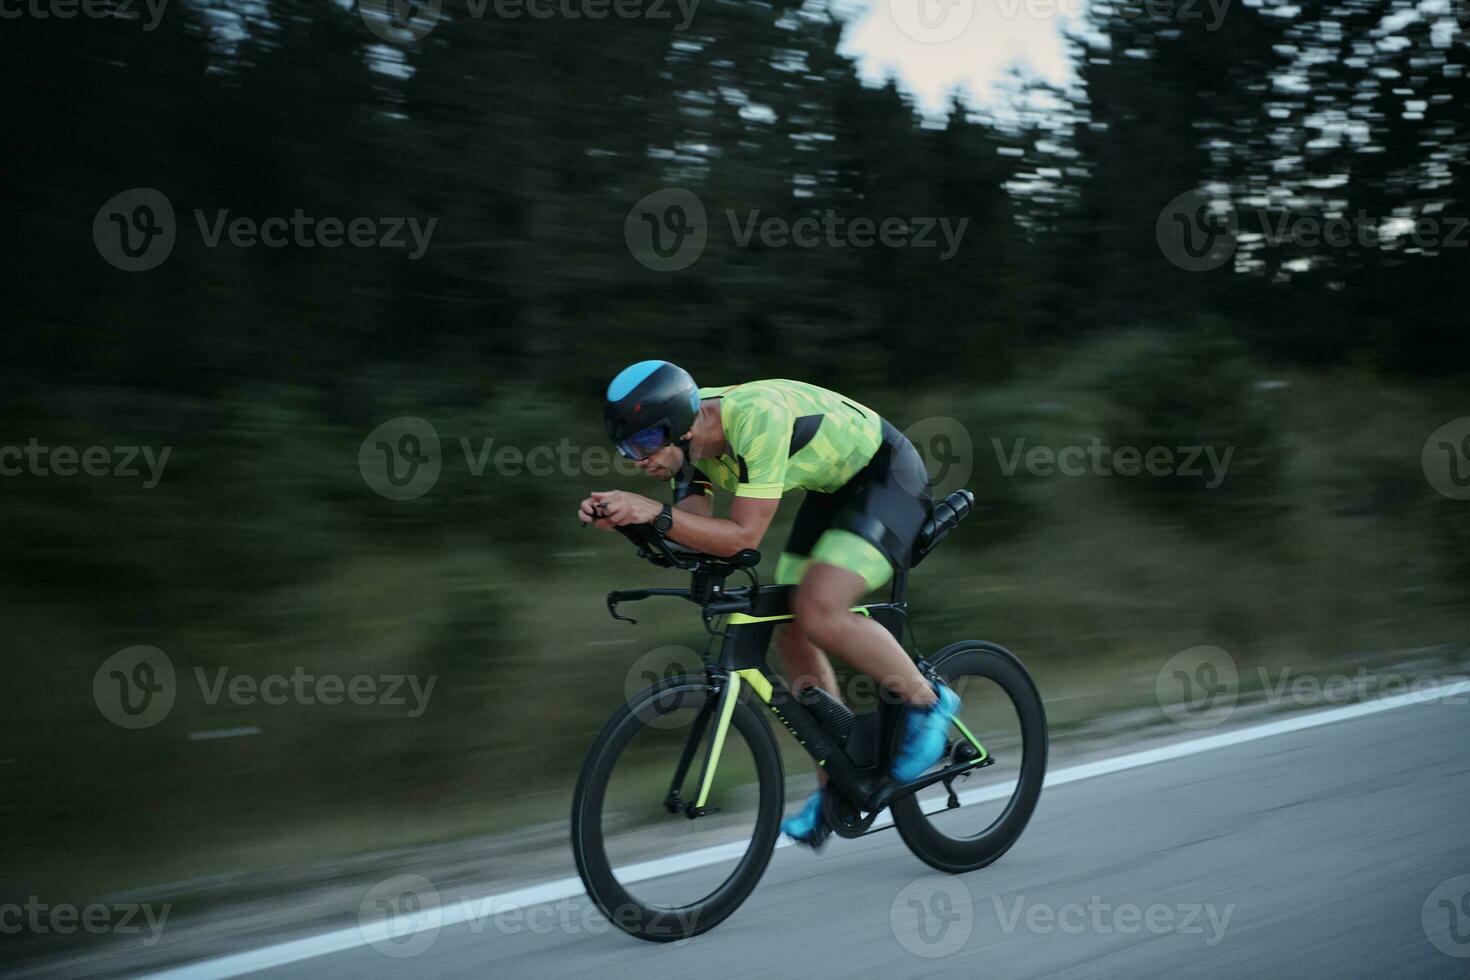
(883, 506)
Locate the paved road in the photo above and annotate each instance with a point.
(1308, 854)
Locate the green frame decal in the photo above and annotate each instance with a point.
(717, 745)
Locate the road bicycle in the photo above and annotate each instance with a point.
(666, 858)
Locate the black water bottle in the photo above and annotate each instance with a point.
(831, 713)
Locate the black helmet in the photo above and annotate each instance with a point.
(654, 400)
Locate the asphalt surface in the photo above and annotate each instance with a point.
(1328, 852)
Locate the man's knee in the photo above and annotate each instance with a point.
(820, 619)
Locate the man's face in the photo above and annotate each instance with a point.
(662, 465)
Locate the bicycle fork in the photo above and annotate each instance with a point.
(721, 707)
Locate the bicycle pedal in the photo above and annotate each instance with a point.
(692, 811)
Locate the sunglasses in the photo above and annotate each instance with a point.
(644, 443)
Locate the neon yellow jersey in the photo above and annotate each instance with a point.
(788, 434)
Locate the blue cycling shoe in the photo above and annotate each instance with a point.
(809, 826)
(925, 735)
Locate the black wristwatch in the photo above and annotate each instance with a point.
(664, 520)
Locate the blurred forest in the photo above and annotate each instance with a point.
(1061, 318)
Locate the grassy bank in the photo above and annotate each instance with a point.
(263, 552)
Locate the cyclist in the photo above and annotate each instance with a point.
(867, 495)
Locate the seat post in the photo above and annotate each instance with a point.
(900, 586)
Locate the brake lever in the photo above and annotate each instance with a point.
(632, 595)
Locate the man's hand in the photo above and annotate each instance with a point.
(614, 508)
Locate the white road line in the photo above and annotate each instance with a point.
(223, 733)
(467, 909)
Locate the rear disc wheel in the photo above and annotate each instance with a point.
(1002, 708)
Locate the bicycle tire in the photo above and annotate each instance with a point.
(958, 855)
(617, 904)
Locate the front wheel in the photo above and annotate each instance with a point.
(652, 871)
(976, 819)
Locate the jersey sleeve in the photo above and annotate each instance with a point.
(760, 435)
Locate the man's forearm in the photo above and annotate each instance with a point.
(712, 535)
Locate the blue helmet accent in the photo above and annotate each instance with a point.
(631, 377)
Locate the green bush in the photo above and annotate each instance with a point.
(1196, 389)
